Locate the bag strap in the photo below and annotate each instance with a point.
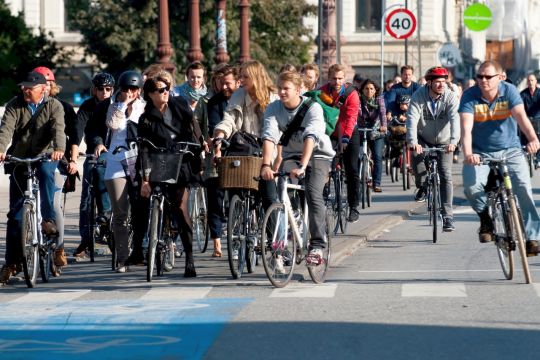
(348, 91)
(296, 122)
(30, 122)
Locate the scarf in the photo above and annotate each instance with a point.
(370, 103)
(187, 92)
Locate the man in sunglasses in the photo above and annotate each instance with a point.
(91, 125)
(490, 113)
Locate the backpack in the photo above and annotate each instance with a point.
(331, 113)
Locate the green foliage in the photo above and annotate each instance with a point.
(123, 33)
(21, 51)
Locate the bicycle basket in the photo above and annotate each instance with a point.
(239, 172)
(164, 166)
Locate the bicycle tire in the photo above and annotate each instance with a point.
(253, 239)
(519, 230)
(318, 272)
(235, 237)
(330, 202)
(394, 171)
(435, 207)
(404, 170)
(504, 239)
(198, 216)
(153, 235)
(206, 237)
(30, 251)
(530, 161)
(111, 241)
(45, 263)
(363, 183)
(367, 169)
(92, 213)
(343, 203)
(274, 237)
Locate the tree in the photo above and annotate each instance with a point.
(122, 34)
(21, 51)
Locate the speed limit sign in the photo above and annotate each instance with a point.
(400, 23)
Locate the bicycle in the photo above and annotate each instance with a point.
(285, 234)
(197, 211)
(401, 162)
(506, 217)
(162, 232)
(37, 249)
(364, 159)
(433, 188)
(335, 196)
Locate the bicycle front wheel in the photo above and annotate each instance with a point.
(435, 210)
(153, 235)
(330, 202)
(45, 263)
(504, 239)
(518, 233)
(367, 169)
(318, 272)
(236, 237)
(278, 246)
(342, 202)
(30, 250)
(198, 216)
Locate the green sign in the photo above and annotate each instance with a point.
(477, 17)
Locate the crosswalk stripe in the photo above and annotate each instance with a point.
(305, 291)
(176, 293)
(50, 297)
(433, 290)
(537, 288)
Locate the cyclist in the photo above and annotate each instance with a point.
(91, 125)
(405, 87)
(308, 145)
(397, 126)
(490, 113)
(345, 97)
(167, 120)
(194, 89)
(531, 101)
(433, 121)
(33, 123)
(126, 106)
(372, 114)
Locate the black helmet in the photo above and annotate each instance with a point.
(130, 78)
(103, 79)
(404, 99)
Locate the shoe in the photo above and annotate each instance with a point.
(377, 189)
(7, 272)
(48, 227)
(420, 194)
(354, 215)
(314, 257)
(533, 247)
(80, 252)
(278, 265)
(235, 254)
(102, 220)
(448, 224)
(217, 248)
(190, 270)
(121, 269)
(60, 257)
(485, 231)
(455, 159)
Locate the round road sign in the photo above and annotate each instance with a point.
(400, 23)
(477, 17)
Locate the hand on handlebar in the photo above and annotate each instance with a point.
(57, 155)
(472, 159)
(533, 147)
(99, 149)
(417, 148)
(2, 157)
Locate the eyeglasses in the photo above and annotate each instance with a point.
(485, 77)
(129, 88)
(104, 88)
(162, 90)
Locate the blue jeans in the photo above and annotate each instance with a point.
(475, 178)
(103, 202)
(17, 186)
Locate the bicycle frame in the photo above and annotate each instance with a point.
(365, 168)
(284, 185)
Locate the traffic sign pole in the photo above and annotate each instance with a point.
(382, 41)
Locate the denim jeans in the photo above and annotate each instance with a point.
(103, 202)
(475, 178)
(17, 186)
(377, 147)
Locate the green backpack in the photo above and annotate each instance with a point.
(331, 113)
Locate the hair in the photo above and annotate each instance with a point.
(307, 67)
(291, 76)
(366, 83)
(55, 89)
(336, 68)
(493, 63)
(222, 70)
(406, 67)
(262, 84)
(152, 70)
(388, 82)
(150, 83)
(533, 74)
(196, 65)
(308, 83)
(287, 67)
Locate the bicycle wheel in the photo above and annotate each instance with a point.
(504, 239)
(518, 232)
(394, 170)
(435, 208)
(342, 202)
(92, 213)
(30, 250)
(530, 161)
(45, 262)
(367, 169)
(170, 249)
(363, 182)
(318, 272)
(252, 241)
(198, 216)
(278, 246)
(153, 236)
(235, 237)
(206, 238)
(330, 202)
(404, 171)
(111, 242)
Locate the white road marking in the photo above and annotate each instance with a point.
(50, 297)
(305, 291)
(430, 271)
(464, 211)
(433, 290)
(176, 293)
(537, 288)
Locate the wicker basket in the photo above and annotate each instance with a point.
(239, 172)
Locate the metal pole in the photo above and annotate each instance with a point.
(382, 38)
(419, 12)
(320, 42)
(406, 40)
(338, 31)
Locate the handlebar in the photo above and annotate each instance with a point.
(13, 159)
(181, 146)
(219, 140)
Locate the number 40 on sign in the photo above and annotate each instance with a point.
(400, 23)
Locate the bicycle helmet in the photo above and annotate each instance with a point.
(103, 79)
(404, 99)
(436, 72)
(130, 78)
(45, 71)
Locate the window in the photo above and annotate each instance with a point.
(368, 15)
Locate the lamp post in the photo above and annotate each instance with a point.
(164, 50)
(221, 33)
(244, 30)
(194, 52)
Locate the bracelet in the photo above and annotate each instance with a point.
(265, 165)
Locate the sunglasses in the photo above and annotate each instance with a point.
(129, 88)
(486, 77)
(162, 90)
(104, 88)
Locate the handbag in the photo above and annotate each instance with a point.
(129, 162)
(243, 144)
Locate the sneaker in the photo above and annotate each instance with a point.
(533, 247)
(315, 257)
(190, 272)
(455, 159)
(7, 272)
(448, 224)
(420, 194)
(60, 257)
(48, 227)
(377, 189)
(278, 265)
(121, 269)
(354, 215)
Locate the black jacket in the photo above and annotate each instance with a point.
(91, 123)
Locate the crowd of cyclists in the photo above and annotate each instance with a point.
(293, 119)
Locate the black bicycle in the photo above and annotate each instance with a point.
(335, 196)
(433, 188)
